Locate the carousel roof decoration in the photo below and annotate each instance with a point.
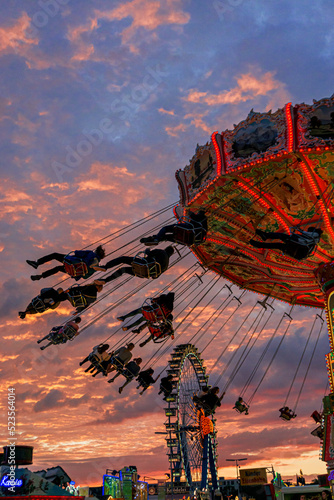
(273, 171)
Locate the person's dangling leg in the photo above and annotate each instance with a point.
(47, 258)
(49, 272)
(52, 256)
(89, 368)
(166, 231)
(45, 346)
(165, 234)
(144, 389)
(130, 314)
(135, 323)
(84, 361)
(44, 338)
(141, 328)
(272, 246)
(54, 270)
(118, 273)
(120, 390)
(272, 236)
(115, 376)
(119, 260)
(146, 341)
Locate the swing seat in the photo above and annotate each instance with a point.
(76, 270)
(305, 247)
(76, 298)
(144, 267)
(300, 251)
(69, 332)
(188, 233)
(157, 334)
(318, 432)
(55, 335)
(74, 266)
(128, 374)
(152, 312)
(117, 364)
(38, 304)
(95, 361)
(241, 407)
(287, 415)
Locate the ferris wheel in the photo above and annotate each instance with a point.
(191, 436)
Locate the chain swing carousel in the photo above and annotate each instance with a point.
(272, 173)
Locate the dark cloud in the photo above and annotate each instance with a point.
(51, 400)
(13, 293)
(149, 404)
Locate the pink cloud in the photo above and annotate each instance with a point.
(145, 14)
(166, 112)
(248, 87)
(15, 37)
(174, 131)
(127, 187)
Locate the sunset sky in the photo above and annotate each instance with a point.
(101, 102)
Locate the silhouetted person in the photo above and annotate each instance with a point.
(157, 260)
(298, 245)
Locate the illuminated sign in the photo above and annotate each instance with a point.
(331, 476)
(253, 476)
(9, 483)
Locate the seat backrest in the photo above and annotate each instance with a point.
(75, 268)
(145, 268)
(76, 298)
(118, 364)
(38, 304)
(152, 312)
(189, 232)
(299, 251)
(69, 332)
(184, 235)
(155, 330)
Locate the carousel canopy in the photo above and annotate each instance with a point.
(273, 172)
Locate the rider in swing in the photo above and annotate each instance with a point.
(159, 259)
(145, 380)
(61, 334)
(158, 330)
(48, 298)
(130, 371)
(156, 317)
(197, 222)
(89, 257)
(298, 245)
